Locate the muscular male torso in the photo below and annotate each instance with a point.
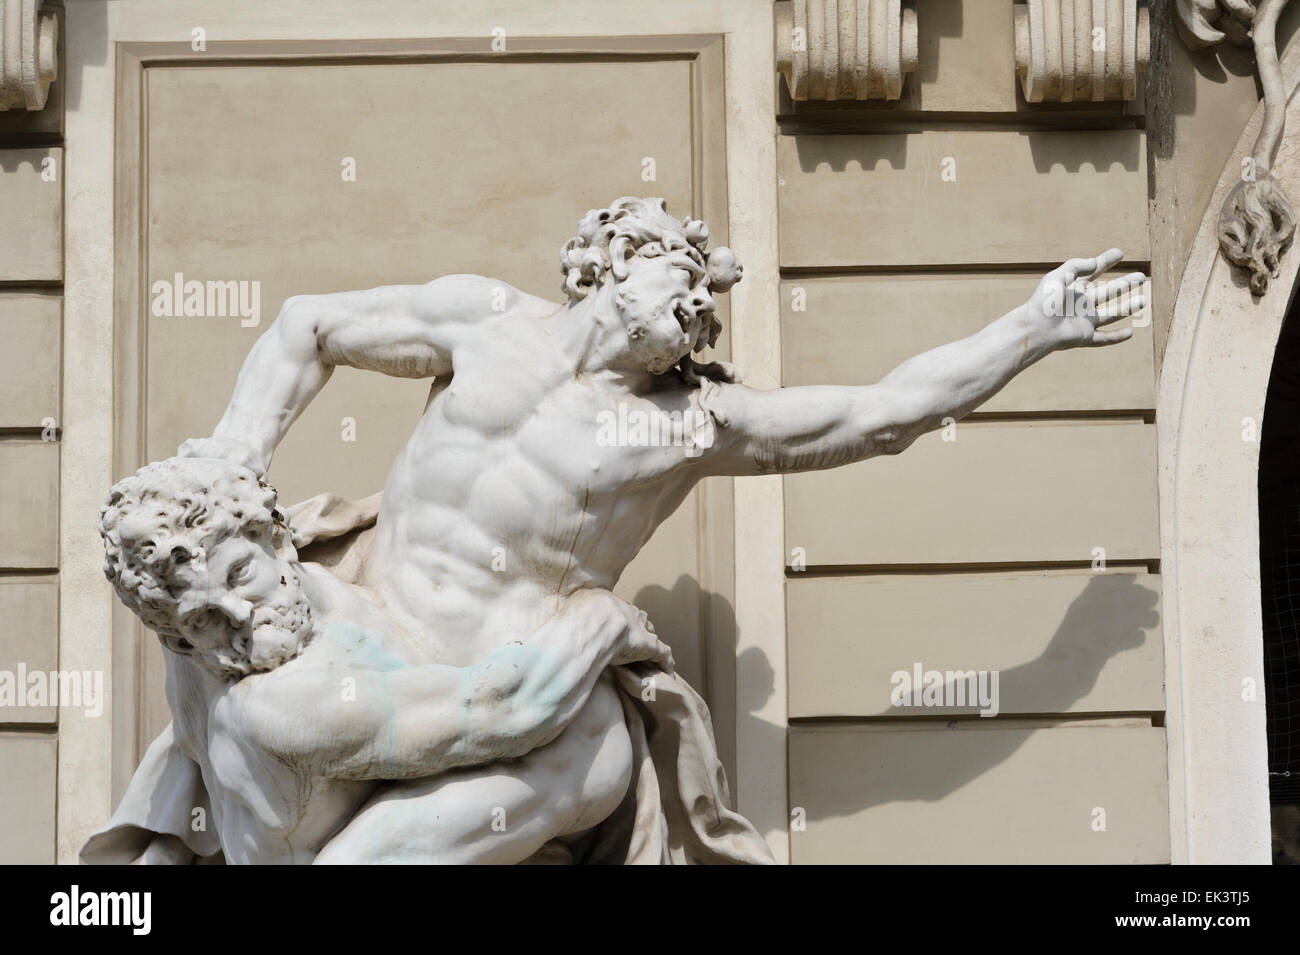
(504, 501)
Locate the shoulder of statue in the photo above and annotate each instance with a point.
(706, 382)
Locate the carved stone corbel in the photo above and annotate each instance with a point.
(1256, 223)
(28, 41)
(845, 49)
(1068, 50)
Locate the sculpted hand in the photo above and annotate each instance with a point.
(640, 642)
(634, 635)
(222, 450)
(1068, 307)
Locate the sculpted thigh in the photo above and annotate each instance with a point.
(502, 812)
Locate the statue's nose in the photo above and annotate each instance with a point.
(237, 610)
(234, 609)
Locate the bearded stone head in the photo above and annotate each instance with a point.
(663, 276)
(198, 550)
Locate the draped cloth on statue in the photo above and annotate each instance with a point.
(678, 809)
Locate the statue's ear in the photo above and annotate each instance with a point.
(619, 252)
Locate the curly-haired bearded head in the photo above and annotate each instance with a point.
(197, 549)
(663, 277)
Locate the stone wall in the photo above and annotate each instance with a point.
(31, 429)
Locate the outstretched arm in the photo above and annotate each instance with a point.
(408, 331)
(423, 720)
(810, 428)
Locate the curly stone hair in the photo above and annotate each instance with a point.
(166, 514)
(631, 226)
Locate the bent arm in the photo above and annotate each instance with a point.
(423, 720)
(408, 331)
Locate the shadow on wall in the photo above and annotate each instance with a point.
(12, 160)
(90, 20)
(1072, 661)
(1071, 152)
(678, 616)
(1049, 149)
(840, 151)
(753, 670)
(1173, 75)
(936, 22)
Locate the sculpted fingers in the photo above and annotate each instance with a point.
(1120, 308)
(220, 450)
(1116, 287)
(1110, 301)
(1105, 262)
(640, 644)
(1111, 337)
(600, 608)
(1090, 268)
(1070, 270)
(636, 619)
(646, 645)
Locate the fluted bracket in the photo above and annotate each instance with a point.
(845, 49)
(28, 44)
(1081, 50)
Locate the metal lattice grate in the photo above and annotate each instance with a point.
(1279, 546)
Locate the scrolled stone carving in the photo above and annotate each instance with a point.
(1207, 22)
(28, 64)
(845, 49)
(1072, 50)
(1257, 222)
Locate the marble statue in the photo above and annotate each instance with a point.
(370, 681)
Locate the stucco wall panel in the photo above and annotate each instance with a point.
(1010, 197)
(27, 799)
(970, 791)
(855, 329)
(29, 504)
(31, 195)
(1068, 641)
(999, 492)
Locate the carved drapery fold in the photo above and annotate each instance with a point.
(28, 41)
(1072, 50)
(845, 49)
